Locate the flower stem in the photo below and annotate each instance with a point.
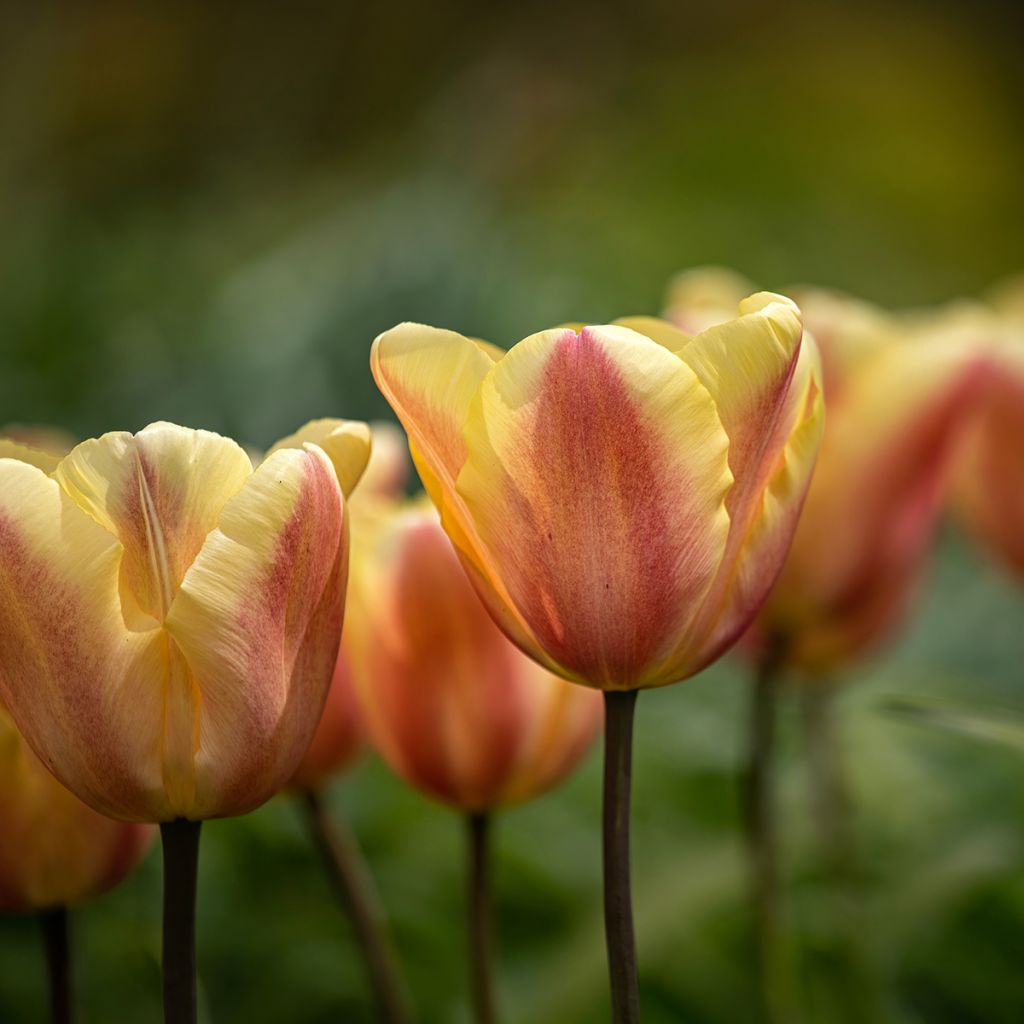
(57, 947)
(832, 812)
(481, 919)
(775, 1003)
(181, 858)
(354, 886)
(619, 706)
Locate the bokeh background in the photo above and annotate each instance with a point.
(208, 212)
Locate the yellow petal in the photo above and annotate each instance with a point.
(596, 480)
(159, 492)
(85, 691)
(46, 461)
(346, 442)
(258, 620)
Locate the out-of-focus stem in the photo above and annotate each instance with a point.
(776, 1004)
(354, 886)
(57, 947)
(618, 901)
(181, 860)
(481, 920)
(832, 814)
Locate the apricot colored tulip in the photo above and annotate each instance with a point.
(990, 473)
(339, 734)
(56, 850)
(169, 616)
(899, 401)
(622, 497)
(451, 705)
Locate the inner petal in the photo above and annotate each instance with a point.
(160, 493)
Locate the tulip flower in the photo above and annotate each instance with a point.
(622, 498)
(169, 622)
(56, 852)
(990, 469)
(451, 705)
(339, 738)
(897, 403)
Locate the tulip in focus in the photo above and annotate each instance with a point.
(622, 498)
(169, 623)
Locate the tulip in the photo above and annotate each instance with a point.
(451, 705)
(169, 622)
(622, 498)
(897, 402)
(338, 740)
(990, 467)
(56, 852)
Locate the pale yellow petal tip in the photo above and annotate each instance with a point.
(44, 460)
(347, 443)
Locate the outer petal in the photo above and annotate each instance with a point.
(56, 850)
(85, 691)
(990, 479)
(159, 492)
(257, 620)
(596, 479)
(453, 707)
(346, 442)
(703, 296)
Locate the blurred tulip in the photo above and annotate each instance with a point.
(170, 617)
(56, 850)
(990, 469)
(899, 402)
(450, 704)
(622, 497)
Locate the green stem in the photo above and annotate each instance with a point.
(481, 920)
(774, 999)
(57, 947)
(181, 859)
(350, 875)
(832, 813)
(618, 902)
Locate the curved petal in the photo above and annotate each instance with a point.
(596, 479)
(46, 461)
(159, 492)
(346, 442)
(257, 620)
(85, 691)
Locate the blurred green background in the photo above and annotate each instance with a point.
(208, 213)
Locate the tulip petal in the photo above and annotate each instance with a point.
(46, 461)
(159, 492)
(596, 478)
(258, 620)
(69, 669)
(346, 442)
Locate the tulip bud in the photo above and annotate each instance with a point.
(449, 703)
(622, 496)
(169, 616)
(55, 850)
